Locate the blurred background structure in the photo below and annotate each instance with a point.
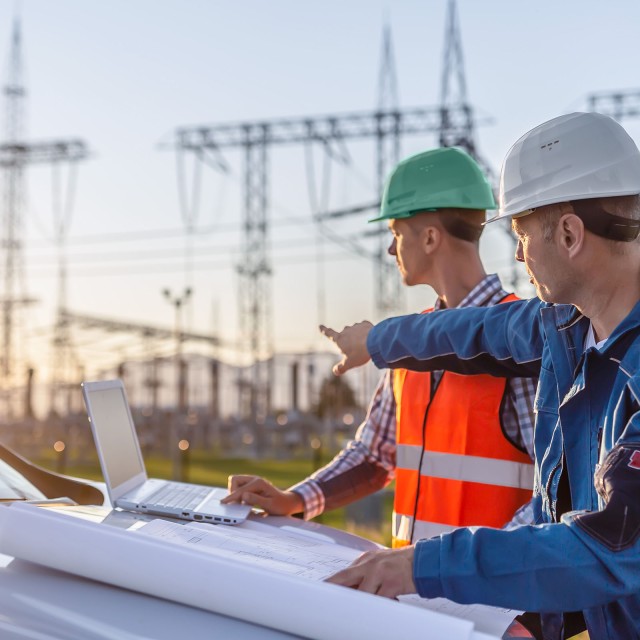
(196, 260)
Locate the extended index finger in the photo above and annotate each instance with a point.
(330, 333)
(350, 577)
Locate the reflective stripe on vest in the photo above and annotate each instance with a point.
(469, 473)
(502, 473)
(421, 530)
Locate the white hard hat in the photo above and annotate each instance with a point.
(572, 157)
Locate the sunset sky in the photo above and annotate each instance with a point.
(123, 75)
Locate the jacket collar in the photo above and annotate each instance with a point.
(567, 341)
(566, 316)
(630, 323)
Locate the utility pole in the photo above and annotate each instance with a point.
(178, 303)
(15, 155)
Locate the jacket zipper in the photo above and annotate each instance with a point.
(552, 504)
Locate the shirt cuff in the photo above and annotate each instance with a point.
(426, 568)
(312, 498)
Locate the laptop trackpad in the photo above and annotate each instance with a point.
(213, 505)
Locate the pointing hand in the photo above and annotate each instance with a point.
(352, 342)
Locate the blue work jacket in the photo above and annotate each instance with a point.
(587, 442)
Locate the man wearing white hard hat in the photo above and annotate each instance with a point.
(570, 188)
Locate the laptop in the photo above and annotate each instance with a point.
(124, 472)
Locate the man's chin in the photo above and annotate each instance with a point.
(546, 296)
(543, 294)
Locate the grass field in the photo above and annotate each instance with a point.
(207, 468)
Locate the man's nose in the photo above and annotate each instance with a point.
(519, 252)
(392, 248)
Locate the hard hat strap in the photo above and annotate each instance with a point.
(603, 224)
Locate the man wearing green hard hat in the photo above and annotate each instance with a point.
(444, 178)
(459, 447)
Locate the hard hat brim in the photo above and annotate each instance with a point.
(402, 216)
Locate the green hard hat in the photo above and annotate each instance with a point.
(445, 178)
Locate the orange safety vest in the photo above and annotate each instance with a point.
(454, 465)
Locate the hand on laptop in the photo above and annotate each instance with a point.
(258, 492)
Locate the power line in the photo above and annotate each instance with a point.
(163, 234)
(349, 243)
(127, 270)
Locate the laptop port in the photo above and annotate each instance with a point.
(207, 517)
(227, 520)
(185, 513)
(196, 517)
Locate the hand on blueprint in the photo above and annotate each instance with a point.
(258, 492)
(352, 341)
(388, 573)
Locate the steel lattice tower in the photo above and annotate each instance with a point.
(255, 271)
(255, 139)
(15, 155)
(14, 95)
(453, 121)
(617, 104)
(388, 285)
(457, 122)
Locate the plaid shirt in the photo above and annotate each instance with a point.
(375, 440)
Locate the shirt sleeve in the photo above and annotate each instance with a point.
(370, 457)
(517, 414)
(524, 515)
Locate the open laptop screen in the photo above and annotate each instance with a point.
(115, 433)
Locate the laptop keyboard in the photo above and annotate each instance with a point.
(178, 495)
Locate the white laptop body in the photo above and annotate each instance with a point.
(124, 472)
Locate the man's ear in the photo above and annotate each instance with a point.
(430, 238)
(570, 232)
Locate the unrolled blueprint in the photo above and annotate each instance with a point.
(306, 555)
(210, 581)
(259, 545)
